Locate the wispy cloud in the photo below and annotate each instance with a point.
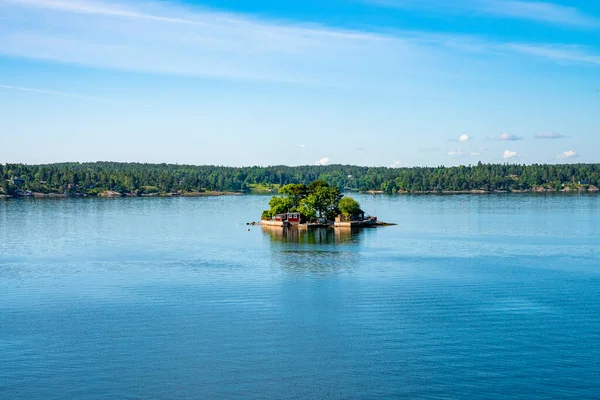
(508, 154)
(456, 153)
(509, 137)
(557, 52)
(549, 135)
(100, 8)
(567, 154)
(168, 38)
(537, 11)
(49, 92)
(463, 153)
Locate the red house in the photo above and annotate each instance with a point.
(293, 218)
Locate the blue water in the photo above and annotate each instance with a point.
(482, 297)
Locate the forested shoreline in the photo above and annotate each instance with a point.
(95, 178)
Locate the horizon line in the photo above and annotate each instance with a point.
(297, 166)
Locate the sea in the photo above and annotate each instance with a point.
(467, 297)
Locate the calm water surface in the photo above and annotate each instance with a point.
(174, 298)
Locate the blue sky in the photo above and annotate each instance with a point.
(232, 82)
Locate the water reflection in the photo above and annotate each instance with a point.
(315, 251)
(312, 235)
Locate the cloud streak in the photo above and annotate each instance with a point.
(536, 11)
(549, 135)
(166, 38)
(508, 154)
(463, 153)
(557, 52)
(456, 153)
(50, 92)
(509, 137)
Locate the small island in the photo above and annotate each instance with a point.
(315, 205)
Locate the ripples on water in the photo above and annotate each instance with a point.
(468, 297)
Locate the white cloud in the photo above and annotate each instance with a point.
(302, 146)
(323, 161)
(567, 154)
(549, 135)
(509, 137)
(463, 138)
(396, 164)
(474, 153)
(509, 154)
(482, 148)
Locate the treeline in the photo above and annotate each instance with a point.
(92, 178)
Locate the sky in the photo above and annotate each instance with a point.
(235, 82)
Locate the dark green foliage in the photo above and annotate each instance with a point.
(349, 207)
(295, 193)
(324, 200)
(317, 199)
(144, 178)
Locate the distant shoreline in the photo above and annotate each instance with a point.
(111, 194)
(481, 191)
(218, 194)
(101, 178)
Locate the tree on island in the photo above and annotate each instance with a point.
(295, 193)
(349, 207)
(324, 199)
(317, 200)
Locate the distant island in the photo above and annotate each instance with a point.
(136, 179)
(315, 205)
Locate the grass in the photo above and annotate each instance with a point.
(264, 188)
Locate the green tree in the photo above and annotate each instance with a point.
(295, 192)
(307, 210)
(324, 200)
(10, 189)
(348, 207)
(281, 205)
(316, 185)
